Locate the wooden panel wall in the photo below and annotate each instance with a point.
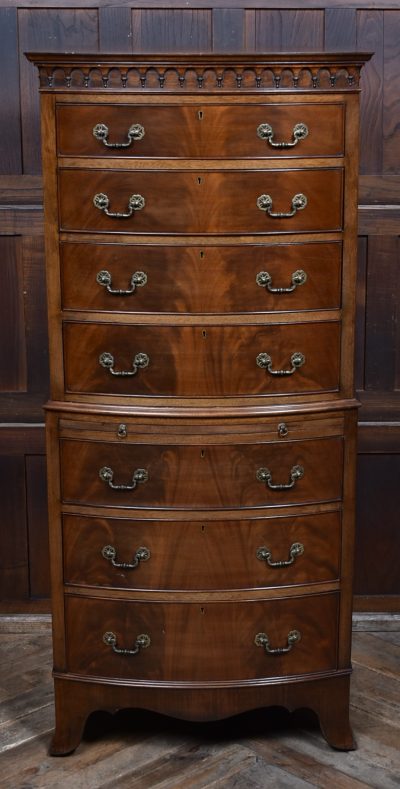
(196, 25)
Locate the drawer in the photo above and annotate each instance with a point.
(199, 131)
(251, 278)
(264, 552)
(201, 202)
(201, 642)
(196, 477)
(191, 361)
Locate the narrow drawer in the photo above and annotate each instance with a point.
(190, 555)
(201, 477)
(201, 202)
(198, 131)
(201, 642)
(191, 361)
(228, 279)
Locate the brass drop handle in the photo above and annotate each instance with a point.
(264, 280)
(262, 640)
(265, 362)
(135, 132)
(135, 203)
(138, 477)
(142, 642)
(140, 361)
(265, 555)
(141, 555)
(266, 132)
(264, 475)
(138, 279)
(264, 203)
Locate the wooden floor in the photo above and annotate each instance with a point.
(139, 749)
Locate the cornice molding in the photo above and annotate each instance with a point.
(215, 73)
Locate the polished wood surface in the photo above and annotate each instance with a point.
(201, 555)
(203, 279)
(201, 201)
(192, 477)
(200, 131)
(187, 361)
(201, 461)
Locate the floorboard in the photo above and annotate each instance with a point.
(142, 750)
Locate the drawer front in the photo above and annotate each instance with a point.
(198, 131)
(269, 278)
(205, 554)
(202, 361)
(201, 642)
(201, 477)
(201, 202)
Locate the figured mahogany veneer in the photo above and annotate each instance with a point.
(200, 131)
(202, 279)
(200, 361)
(195, 477)
(201, 508)
(200, 201)
(204, 554)
(201, 642)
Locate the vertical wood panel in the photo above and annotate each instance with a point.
(52, 30)
(391, 93)
(10, 130)
(370, 39)
(377, 537)
(13, 542)
(178, 30)
(250, 30)
(382, 306)
(289, 30)
(115, 29)
(361, 295)
(340, 29)
(36, 315)
(228, 29)
(12, 319)
(38, 541)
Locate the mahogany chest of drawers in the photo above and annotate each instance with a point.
(200, 241)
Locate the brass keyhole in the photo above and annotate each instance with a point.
(199, 180)
(202, 253)
(200, 115)
(203, 453)
(204, 333)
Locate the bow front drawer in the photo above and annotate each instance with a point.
(196, 361)
(201, 642)
(143, 201)
(122, 553)
(180, 476)
(138, 278)
(264, 130)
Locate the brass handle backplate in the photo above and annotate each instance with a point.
(140, 361)
(110, 553)
(264, 203)
(266, 132)
(264, 279)
(262, 640)
(107, 475)
(265, 555)
(265, 362)
(264, 475)
(142, 642)
(135, 132)
(138, 279)
(135, 203)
